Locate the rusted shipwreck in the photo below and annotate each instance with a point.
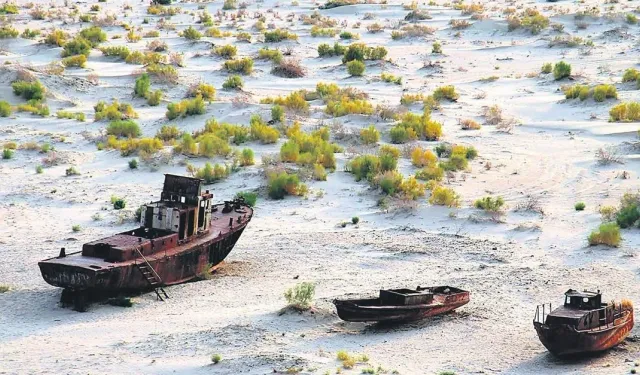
(583, 324)
(180, 237)
(402, 305)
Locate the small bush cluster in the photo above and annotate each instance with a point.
(250, 198)
(124, 128)
(186, 107)
(121, 52)
(599, 93)
(412, 31)
(244, 65)
(530, 19)
(228, 51)
(273, 55)
(369, 135)
(78, 61)
(489, 204)
(191, 34)
(289, 68)
(309, 149)
(561, 70)
(326, 50)
(625, 112)
(281, 184)
(390, 78)
(444, 196)
(70, 115)
(35, 107)
(300, 296)
(114, 111)
(29, 90)
(212, 173)
(233, 82)
(295, 102)
(362, 52)
(259, 130)
(165, 73)
(413, 126)
(5, 109)
(8, 32)
(606, 234)
(204, 90)
(278, 35)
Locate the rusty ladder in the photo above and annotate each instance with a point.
(151, 276)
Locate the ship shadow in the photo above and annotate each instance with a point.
(361, 328)
(553, 364)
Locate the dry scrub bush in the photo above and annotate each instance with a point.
(608, 155)
(469, 124)
(289, 68)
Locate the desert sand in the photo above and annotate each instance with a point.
(543, 152)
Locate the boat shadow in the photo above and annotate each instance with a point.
(356, 328)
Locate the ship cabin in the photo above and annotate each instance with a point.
(583, 310)
(183, 208)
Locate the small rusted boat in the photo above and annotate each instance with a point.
(402, 305)
(583, 324)
(180, 237)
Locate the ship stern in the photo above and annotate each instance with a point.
(67, 276)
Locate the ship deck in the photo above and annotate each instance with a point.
(219, 229)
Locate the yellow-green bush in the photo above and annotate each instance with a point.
(369, 135)
(244, 65)
(413, 126)
(123, 128)
(606, 234)
(282, 184)
(56, 38)
(263, 132)
(246, 157)
(430, 173)
(294, 102)
(114, 111)
(237, 134)
(186, 107)
(213, 173)
(308, 149)
(270, 54)
(345, 106)
(75, 61)
(228, 51)
(168, 133)
(603, 92)
(206, 91)
(444, 196)
(630, 75)
(446, 92)
(279, 35)
(423, 158)
(625, 112)
(120, 51)
(577, 91)
(210, 145)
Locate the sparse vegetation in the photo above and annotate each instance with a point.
(301, 295)
(607, 234)
(561, 70)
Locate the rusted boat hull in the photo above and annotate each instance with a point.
(564, 340)
(173, 269)
(368, 311)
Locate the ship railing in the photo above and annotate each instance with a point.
(542, 311)
(608, 321)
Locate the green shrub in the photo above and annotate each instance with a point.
(118, 203)
(229, 5)
(211, 145)
(413, 126)
(430, 172)
(300, 296)
(5, 109)
(120, 51)
(204, 90)
(76, 46)
(561, 70)
(436, 48)
(246, 157)
(133, 164)
(30, 34)
(141, 88)
(547, 68)
(628, 215)
(281, 184)
(7, 153)
(233, 82)
(71, 171)
(489, 204)
(278, 35)
(168, 133)
(228, 51)
(114, 111)
(250, 198)
(70, 115)
(361, 52)
(154, 98)
(390, 78)
(56, 38)
(8, 8)
(355, 220)
(124, 128)
(213, 173)
(8, 32)
(626, 112)
(29, 90)
(603, 92)
(577, 91)
(355, 68)
(94, 35)
(443, 196)
(244, 65)
(75, 61)
(364, 167)
(446, 92)
(346, 106)
(369, 135)
(34, 106)
(606, 234)
(262, 132)
(389, 182)
(294, 102)
(216, 358)
(186, 107)
(317, 31)
(39, 169)
(630, 75)
(166, 73)
(631, 18)
(191, 34)
(270, 54)
(580, 206)
(277, 113)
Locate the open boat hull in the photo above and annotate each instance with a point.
(370, 310)
(564, 339)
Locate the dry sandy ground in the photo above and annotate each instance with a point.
(509, 267)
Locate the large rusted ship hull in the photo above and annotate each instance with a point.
(564, 340)
(370, 310)
(172, 262)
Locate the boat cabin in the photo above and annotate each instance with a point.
(182, 208)
(400, 297)
(583, 310)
